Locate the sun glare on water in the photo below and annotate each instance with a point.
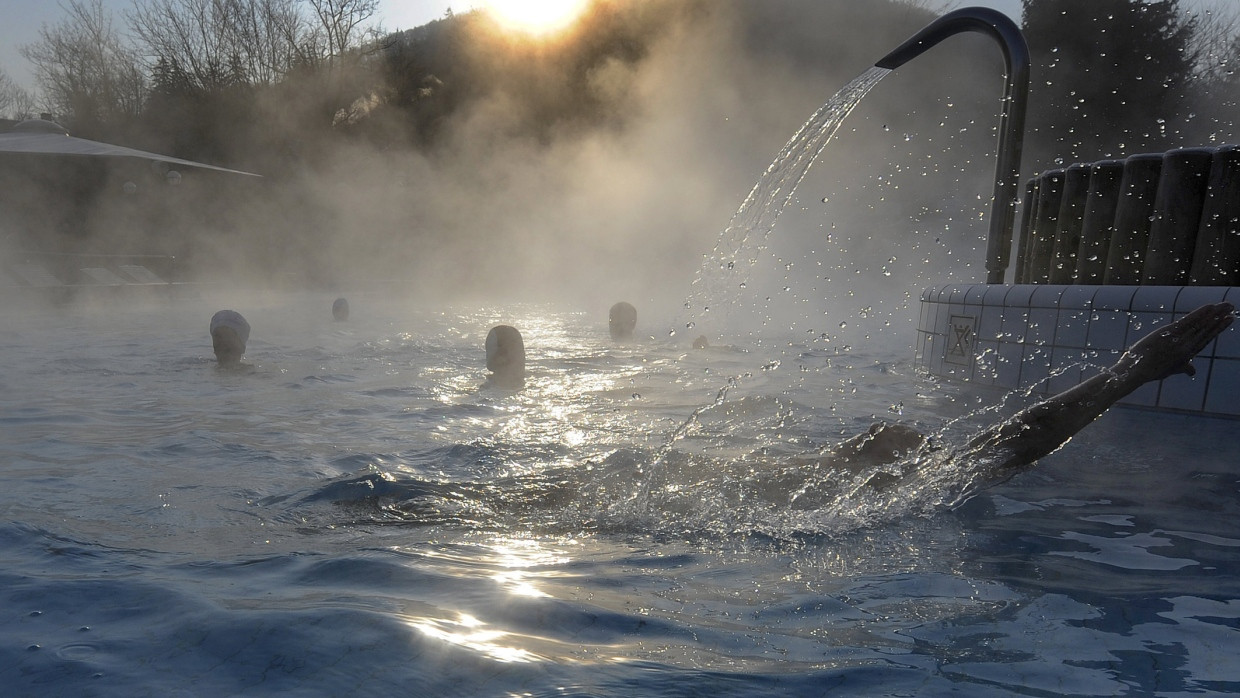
(536, 16)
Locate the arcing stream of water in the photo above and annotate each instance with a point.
(722, 280)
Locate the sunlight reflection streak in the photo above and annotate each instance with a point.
(467, 632)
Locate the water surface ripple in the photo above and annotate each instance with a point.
(351, 514)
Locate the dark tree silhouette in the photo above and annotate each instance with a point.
(1108, 76)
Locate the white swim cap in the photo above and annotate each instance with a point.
(505, 349)
(232, 320)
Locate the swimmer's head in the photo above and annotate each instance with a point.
(701, 342)
(340, 310)
(621, 320)
(229, 334)
(506, 356)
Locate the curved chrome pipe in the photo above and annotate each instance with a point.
(1011, 123)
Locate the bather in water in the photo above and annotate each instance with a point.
(229, 334)
(340, 310)
(621, 321)
(505, 358)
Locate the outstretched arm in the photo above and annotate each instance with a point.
(1044, 427)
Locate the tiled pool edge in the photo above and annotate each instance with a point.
(1050, 337)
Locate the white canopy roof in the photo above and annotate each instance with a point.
(39, 137)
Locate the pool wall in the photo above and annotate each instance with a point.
(1047, 338)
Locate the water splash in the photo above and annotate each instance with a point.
(724, 274)
(656, 472)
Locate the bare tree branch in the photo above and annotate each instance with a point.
(87, 74)
(341, 22)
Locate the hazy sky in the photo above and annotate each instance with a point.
(23, 18)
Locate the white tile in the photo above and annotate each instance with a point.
(976, 293)
(1223, 395)
(1035, 366)
(1018, 296)
(926, 321)
(1015, 324)
(1114, 297)
(1155, 298)
(996, 294)
(1146, 396)
(1072, 333)
(990, 324)
(930, 320)
(1193, 297)
(1073, 327)
(1181, 392)
(1108, 329)
(1078, 297)
(934, 353)
(1042, 325)
(1046, 296)
(986, 364)
(920, 355)
(1008, 364)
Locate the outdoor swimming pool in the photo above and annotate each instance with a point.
(351, 515)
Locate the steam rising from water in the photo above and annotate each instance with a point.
(587, 217)
(723, 279)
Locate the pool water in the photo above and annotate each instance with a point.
(352, 514)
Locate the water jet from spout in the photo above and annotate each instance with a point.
(1002, 29)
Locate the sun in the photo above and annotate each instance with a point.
(539, 17)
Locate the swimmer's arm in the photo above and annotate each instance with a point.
(1044, 427)
(1040, 429)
